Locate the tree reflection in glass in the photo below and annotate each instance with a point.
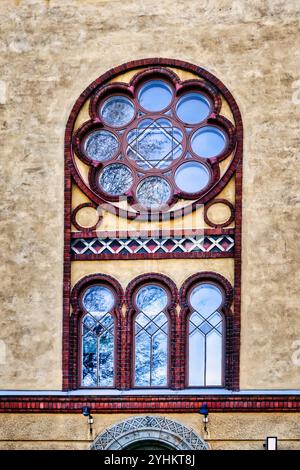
(151, 337)
(98, 338)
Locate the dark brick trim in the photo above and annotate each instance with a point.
(156, 404)
(234, 169)
(237, 275)
(196, 255)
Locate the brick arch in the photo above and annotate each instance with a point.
(232, 327)
(218, 90)
(128, 327)
(75, 319)
(143, 428)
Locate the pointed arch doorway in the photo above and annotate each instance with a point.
(149, 433)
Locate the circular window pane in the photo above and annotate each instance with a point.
(101, 146)
(117, 111)
(206, 299)
(208, 142)
(193, 108)
(192, 177)
(153, 192)
(151, 299)
(154, 143)
(155, 95)
(115, 179)
(98, 299)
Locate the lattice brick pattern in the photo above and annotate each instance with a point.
(140, 428)
(101, 246)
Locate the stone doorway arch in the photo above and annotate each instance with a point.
(149, 428)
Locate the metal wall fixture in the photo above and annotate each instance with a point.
(86, 411)
(204, 412)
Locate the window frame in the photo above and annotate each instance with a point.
(187, 359)
(230, 359)
(69, 371)
(85, 312)
(133, 356)
(131, 91)
(170, 311)
(79, 311)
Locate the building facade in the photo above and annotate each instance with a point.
(149, 231)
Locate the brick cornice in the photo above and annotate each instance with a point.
(142, 404)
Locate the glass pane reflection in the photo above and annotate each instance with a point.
(151, 299)
(192, 177)
(98, 338)
(193, 108)
(151, 337)
(206, 299)
(155, 95)
(209, 141)
(101, 146)
(153, 192)
(205, 337)
(117, 111)
(98, 299)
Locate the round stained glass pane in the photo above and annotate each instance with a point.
(115, 179)
(192, 177)
(117, 111)
(154, 143)
(193, 108)
(151, 299)
(101, 145)
(155, 95)
(206, 299)
(98, 299)
(153, 192)
(209, 141)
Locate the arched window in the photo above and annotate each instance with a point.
(205, 336)
(151, 326)
(209, 330)
(95, 331)
(154, 139)
(98, 337)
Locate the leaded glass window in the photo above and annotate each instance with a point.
(98, 332)
(155, 141)
(205, 340)
(151, 337)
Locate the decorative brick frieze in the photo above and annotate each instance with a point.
(95, 248)
(145, 404)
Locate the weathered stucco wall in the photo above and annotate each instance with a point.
(226, 431)
(50, 51)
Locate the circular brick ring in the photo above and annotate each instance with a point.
(80, 227)
(223, 224)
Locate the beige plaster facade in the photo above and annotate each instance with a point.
(226, 431)
(50, 50)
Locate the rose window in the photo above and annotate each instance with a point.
(154, 141)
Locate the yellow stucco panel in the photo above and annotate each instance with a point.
(177, 269)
